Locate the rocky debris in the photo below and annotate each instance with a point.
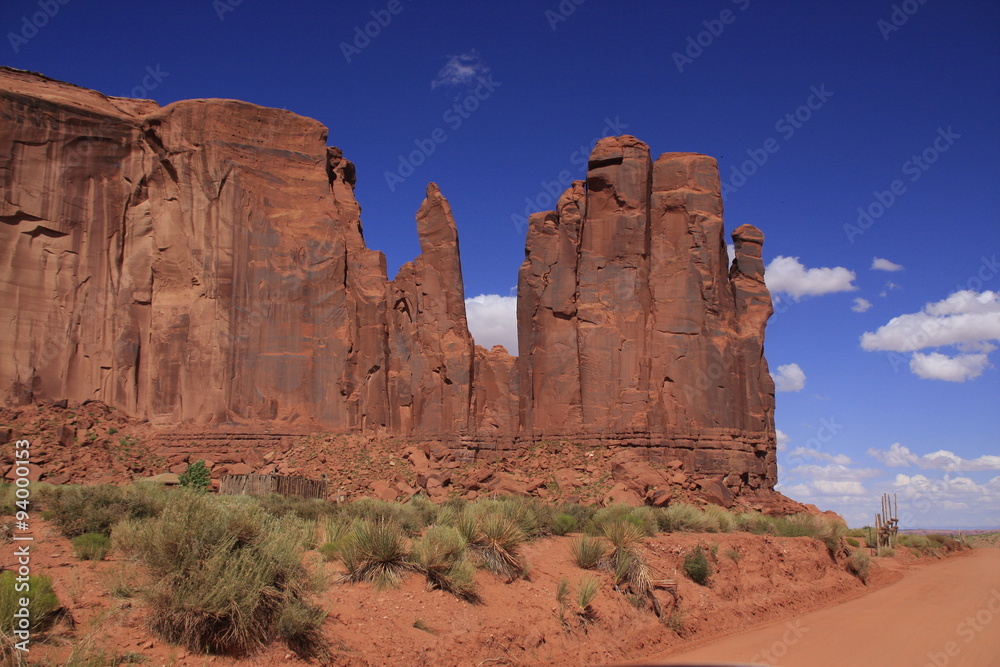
(633, 330)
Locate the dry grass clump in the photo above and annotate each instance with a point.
(588, 551)
(375, 551)
(91, 546)
(859, 564)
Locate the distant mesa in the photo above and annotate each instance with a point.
(203, 263)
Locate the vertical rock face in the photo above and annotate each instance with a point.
(668, 343)
(204, 262)
(430, 375)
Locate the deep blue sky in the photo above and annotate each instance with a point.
(557, 90)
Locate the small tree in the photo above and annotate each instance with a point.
(196, 476)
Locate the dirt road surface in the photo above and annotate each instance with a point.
(945, 614)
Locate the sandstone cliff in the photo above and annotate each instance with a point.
(633, 330)
(204, 263)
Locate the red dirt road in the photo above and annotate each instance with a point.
(945, 614)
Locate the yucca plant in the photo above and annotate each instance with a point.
(562, 598)
(588, 551)
(586, 592)
(441, 556)
(375, 551)
(497, 545)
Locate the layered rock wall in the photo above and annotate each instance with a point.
(204, 262)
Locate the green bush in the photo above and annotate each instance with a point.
(196, 477)
(408, 517)
(853, 542)
(697, 567)
(678, 517)
(719, 519)
(91, 546)
(859, 564)
(753, 522)
(563, 524)
(886, 552)
(77, 510)
(228, 577)
(43, 603)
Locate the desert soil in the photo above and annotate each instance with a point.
(945, 614)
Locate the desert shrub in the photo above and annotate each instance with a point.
(7, 499)
(426, 509)
(853, 542)
(225, 573)
(631, 574)
(91, 546)
(644, 518)
(753, 522)
(310, 509)
(719, 519)
(197, 476)
(523, 512)
(682, 517)
(77, 510)
(611, 514)
(919, 542)
(859, 564)
(696, 566)
(441, 556)
(563, 524)
(588, 550)
(886, 552)
(408, 517)
(43, 603)
(733, 554)
(859, 532)
(582, 513)
(375, 551)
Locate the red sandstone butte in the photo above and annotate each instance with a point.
(204, 263)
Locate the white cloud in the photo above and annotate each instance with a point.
(967, 320)
(937, 366)
(787, 275)
(493, 320)
(840, 487)
(831, 471)
(789, 378)
(880, 264)
(965, 317)
(804, 452)
(461, 70)
(900, 456)
(731, 252)
(782, 438)
(861, 305)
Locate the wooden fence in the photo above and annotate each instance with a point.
(261, 485)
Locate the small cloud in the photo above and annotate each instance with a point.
(861, 305)
(493, 320)
(900, 456)
(731, 252)
(788, 275)
(880, 264)
(782, 438)
(839, 487)
(789, 378)
(461, 70)
(804, 452)
(937, 366)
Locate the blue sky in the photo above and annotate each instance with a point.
(814, 110)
